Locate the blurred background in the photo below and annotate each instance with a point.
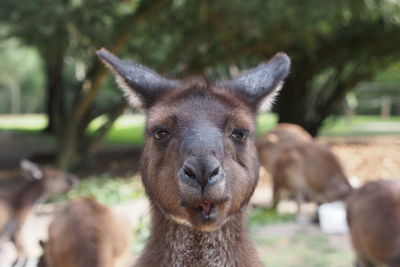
(60, 106)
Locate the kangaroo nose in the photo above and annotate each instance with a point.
(201, 171)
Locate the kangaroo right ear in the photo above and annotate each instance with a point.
(137, 81)
(259, 86)
(31, 169)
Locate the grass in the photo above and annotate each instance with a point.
(262, 216)
(23, 122)
(128, 129)
(362, 126)
(265, 122)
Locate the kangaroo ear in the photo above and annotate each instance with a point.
(141, 85)
(31, 169)
(260, 85)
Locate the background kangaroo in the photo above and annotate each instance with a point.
(272, 144)
(199, 164)
(15, 207)
(302, 166)
(373, 214)
(86, 233)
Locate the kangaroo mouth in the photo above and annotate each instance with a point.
(207, 209)
(206, 214)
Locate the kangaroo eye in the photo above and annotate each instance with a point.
(161, 134)
(239, 135)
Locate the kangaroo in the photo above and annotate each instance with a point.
(199, 165)
(373, 215)
(87, 233)
(302, 166)
(17, 206)
(271, 145)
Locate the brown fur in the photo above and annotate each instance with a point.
(373, 213)
(285, 133)
(273, 143)
(176, 245)
(305, 168)
(199, 164)
(16, 207)
(87, 233)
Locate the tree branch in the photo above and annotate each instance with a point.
(90, 86)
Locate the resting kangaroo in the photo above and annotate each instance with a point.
(373, 214)
(199, 164)
(86, 233)
(15, 207)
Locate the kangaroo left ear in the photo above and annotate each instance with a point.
(142, 86)
(258, 86)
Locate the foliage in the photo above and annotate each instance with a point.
(21, 79)
(65, 34)
(391, 74)
(333, 45)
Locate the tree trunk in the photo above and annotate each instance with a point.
(292, 105)
(55, 94)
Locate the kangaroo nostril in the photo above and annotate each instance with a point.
(215, 172)
(216, 175)
(189, 173)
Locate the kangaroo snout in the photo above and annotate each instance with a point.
(201, 172)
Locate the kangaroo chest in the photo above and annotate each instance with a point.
(198, 249)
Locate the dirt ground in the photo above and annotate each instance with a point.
(368, 158)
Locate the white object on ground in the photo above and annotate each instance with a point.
(332, 218)
(355, 181)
